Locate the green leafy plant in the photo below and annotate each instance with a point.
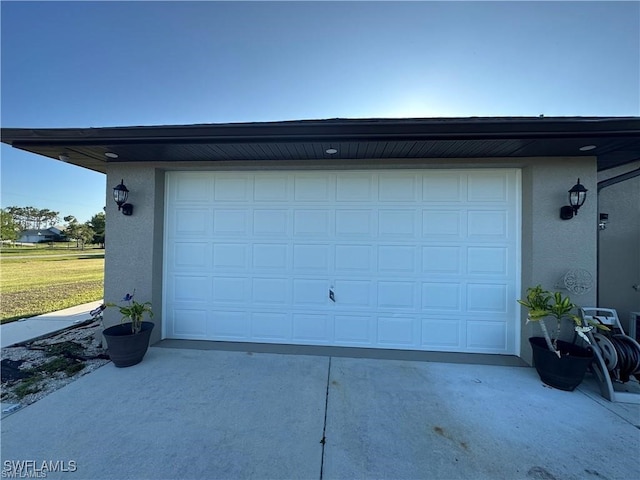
(28, 386)
(537, 303)
(542, 304)
(133, 311)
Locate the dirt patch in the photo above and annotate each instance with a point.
(33, 370)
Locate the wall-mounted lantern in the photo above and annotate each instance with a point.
(577, 196)
(120, 194)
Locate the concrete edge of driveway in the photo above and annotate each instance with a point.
(351, 352)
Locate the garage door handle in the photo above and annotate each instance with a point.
(332, 297)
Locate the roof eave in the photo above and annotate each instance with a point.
(319, 130)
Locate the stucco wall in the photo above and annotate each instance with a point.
(133, 244)
(619, 250)
(550, 246)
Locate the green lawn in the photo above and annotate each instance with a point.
(43, 249)
(33, 286)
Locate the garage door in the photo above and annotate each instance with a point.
(400, 259)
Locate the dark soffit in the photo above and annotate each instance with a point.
(617, 140)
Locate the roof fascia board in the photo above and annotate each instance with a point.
(620, 178)
(318, 130)
(21, 141)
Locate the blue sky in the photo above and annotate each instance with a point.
(96, 64)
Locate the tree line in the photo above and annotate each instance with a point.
(31, 218)
(15, 220)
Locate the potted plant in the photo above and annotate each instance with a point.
(559, 363)
(127, 343)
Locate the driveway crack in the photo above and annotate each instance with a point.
(324, 427)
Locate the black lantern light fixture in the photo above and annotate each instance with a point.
(120, 194)
(577, 196)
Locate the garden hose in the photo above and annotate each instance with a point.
(629, 356)
(608, 351)
(620, 353)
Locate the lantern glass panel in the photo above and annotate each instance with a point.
(120, 194)
(577, 198)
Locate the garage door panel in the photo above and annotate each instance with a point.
(397, 223)
(190, 222)
(190, 256)
(312, 188)
(231, 189)
(230, 290)
(354, 330)
(191, 288)
(486, 335)
(487, 298)
(312, 328)
(444, 332)
(270, 257)
(487, 224)
(397, 188)
(231, 222)
(271, 327)
(355, 187)
(192, 188)
(414, 259)
(440, 223)
(311, 258)
(396, 295)
(270, 188)
(230, 325)
(308, 292)
(397, 331)
(270, 223)
(440, 259)
(230, 256)
(439, 296)
(397, 259)
(442, 187)
(354, 223)
(311, 223)
(271, 291)
(350, 259)
(354, 293)
(487, 261)
(188, 322)
(487, 187)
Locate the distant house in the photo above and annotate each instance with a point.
(51, 234)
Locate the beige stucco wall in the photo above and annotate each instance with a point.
(620, 244)
(133, 244)
(550, 246)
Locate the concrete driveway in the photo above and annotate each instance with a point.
(194, 414)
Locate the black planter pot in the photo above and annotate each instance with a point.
(564, 373)
(126, 348)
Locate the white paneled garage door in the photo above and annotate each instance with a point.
(403, 259)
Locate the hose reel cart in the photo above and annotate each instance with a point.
(616, 355)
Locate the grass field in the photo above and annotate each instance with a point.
(43, 249)
(36, 285)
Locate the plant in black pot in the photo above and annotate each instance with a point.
(128, 342)
(560, 364)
